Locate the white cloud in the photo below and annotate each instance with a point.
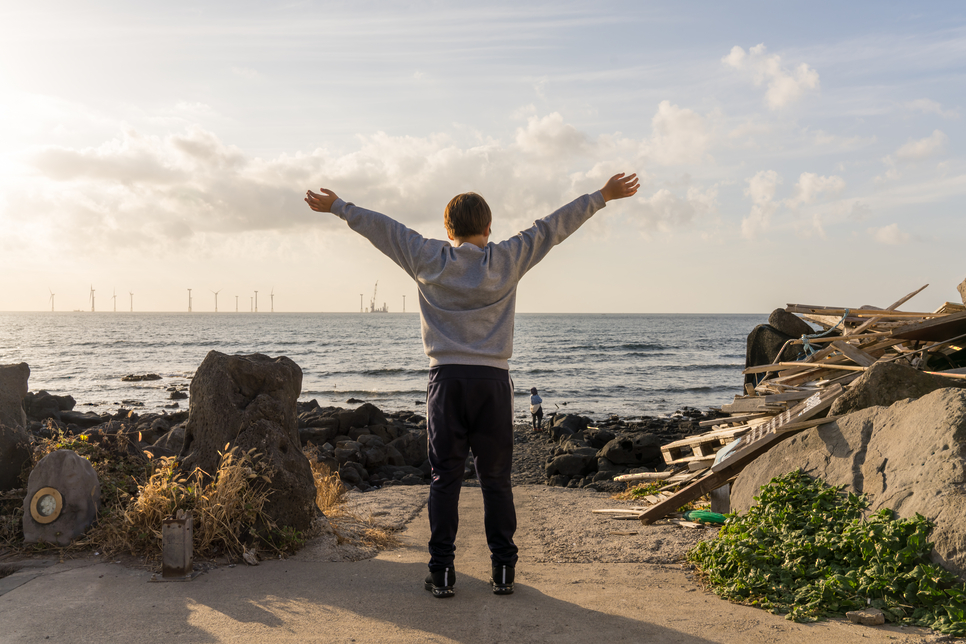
(930, 146)
(679, 135)
(890, 235)
(550, 136)
(173, 193)
(246, 72)
(761, 189)
(783, 86)
(928, 106)
(811, 185)
(665, 210)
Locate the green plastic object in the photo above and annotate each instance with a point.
(705, 516)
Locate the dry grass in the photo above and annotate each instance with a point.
(227, 507)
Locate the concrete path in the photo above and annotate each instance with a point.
(383, 600)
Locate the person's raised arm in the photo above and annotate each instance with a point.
(321, 202)
(619, 186)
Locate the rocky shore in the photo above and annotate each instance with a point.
(372, 449)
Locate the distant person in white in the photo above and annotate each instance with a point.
(536, 409)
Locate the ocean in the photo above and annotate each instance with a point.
(590, 364)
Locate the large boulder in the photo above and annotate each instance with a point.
(42, 405)
(789, 324)
(63, 497)
(13, 388)
(633, 449)
(14, 455)
(962, 290)
(885, 383)
(908, 457)
(291, 501)
(763, 346)
(250, 401)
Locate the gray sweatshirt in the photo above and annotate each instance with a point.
(467, 294)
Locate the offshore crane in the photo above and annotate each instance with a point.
(372, 302)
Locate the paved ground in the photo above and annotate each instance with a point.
(382, 600)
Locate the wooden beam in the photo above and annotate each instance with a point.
(856, 355)
(735, 462)
(731, 419)
(892, 307)
(779, 366)
(936, 330)
(858, 313)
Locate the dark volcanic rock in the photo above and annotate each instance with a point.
(13, 388)
(245, 402)
(41, 405)
(633, 449)
(14, 455)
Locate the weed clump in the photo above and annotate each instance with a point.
(807, 550)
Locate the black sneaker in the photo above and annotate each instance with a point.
(502, 580)
(440, 583)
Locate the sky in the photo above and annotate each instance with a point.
(793, 152)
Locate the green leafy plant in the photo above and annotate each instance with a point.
(807, 550)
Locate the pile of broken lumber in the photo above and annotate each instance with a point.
(791, 396)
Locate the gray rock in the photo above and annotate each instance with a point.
(173, 440)
(14, 456)
(291, 501)
(558, 480)
(633, 449)
(356, 432)
(228, 394)
(245, 402)
(604, 464)
(13, 388)
(789, 323)
(762, 347)
(908, 457)
(363, 416)
(885, 383)
(962, 290)
(83, 419)
(76, 481)
(571, 465)
(412, 447)
(866, 617)
(42, 405)
(318, 435)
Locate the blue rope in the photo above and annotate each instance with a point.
(805, 338)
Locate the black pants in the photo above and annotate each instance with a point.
(470, 407)
(537, 418)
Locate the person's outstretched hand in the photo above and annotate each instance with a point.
(619, 186)
(321, 202)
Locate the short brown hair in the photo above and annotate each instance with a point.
(467, 215)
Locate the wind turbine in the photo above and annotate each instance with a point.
(51, 300)
(236, 304)
(189, 300)
(273, 299)
(216, 298)
(132, 302)
(256, 301)
(114, 297)
(92, 298)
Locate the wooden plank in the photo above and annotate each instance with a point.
(850, 336)
(856, 355)
(644, 476)
(751, 404)
(741, 418)
(701, 464)
(946, 374)
(857, 313)
(736, 462)
(936, 330)
(779, 366)
(789, 396)
(892, 307)
(765, 434)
